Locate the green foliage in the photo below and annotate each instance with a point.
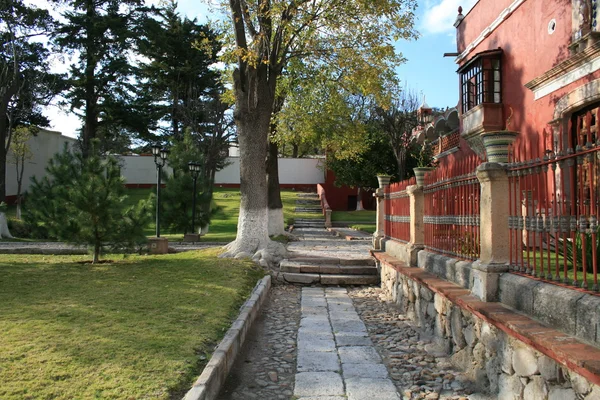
(177, 197)
(82, 201)
(362, 170)
(565, 249)
(101, 85)
(177, 204)
(177, 82)
(19, 229)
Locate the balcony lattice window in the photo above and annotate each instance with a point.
(481, 80)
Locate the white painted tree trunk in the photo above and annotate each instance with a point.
(4, 232)
(276, 222)
(252, 240)
(359, 206)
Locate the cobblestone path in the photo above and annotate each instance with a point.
(368, 350)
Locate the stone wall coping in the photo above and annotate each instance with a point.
(208, 385)
(566, 350)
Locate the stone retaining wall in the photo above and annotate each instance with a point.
(496, 362)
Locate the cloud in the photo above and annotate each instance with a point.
(439, 16)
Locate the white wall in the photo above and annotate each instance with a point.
(291, 171)
(43, 146)
(141, 169)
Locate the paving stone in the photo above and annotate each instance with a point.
(317, 345)
(314, 361)
(359, 355)
(318, 384)
(371, 389)
(364, 371)
(348, 326)
(344, 339)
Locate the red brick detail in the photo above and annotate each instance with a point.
(446, 143)
(566, 350)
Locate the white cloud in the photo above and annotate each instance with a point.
(439, 16)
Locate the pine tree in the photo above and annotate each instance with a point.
(103, 33)
(82, 200)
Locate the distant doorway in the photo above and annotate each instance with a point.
(352, 203)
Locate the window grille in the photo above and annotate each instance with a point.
(481, 80)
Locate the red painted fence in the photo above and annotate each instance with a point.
(451, 209)
(554, 204)
(397, 211)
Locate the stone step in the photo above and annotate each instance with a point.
(308, 210)
(308, 195)
(314, 201)
(369, 261)
(325, 269)
(308, 279)
(317, 224)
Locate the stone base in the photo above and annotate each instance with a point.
(158, 245)
(191, 237)
(496, 362)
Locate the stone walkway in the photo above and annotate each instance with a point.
(336, 357)
(331, 343)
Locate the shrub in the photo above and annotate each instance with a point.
(82, 201)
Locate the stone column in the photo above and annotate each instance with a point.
(494, 233)
(379, 234)
(417, 228)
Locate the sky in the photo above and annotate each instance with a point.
(426, 71)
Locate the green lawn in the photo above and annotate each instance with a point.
(369, 228)
(223, 226)
(133, 329)
(364, 216)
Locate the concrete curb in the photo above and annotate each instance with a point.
(209, 384)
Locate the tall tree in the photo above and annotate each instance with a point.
(23, 72)
(268, 34)
(397, 123)
(102, 33)
(177, 80)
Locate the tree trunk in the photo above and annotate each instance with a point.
(96, 254)
(295, 150)
(19, 183)
(254, 94)
(4, 232)
(276, 222)
(359, 206)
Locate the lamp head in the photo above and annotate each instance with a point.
(156, 150)
(164, 152)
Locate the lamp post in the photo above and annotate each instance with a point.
(160, 159)
(195, 171)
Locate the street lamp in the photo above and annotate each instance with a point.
(195, 171)
(160, 159)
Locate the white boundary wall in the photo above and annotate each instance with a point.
(140, 170)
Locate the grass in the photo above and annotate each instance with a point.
(369, 228)
(133, 329)
(223, 226)
(364, 216)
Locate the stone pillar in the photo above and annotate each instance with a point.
(328, 223)
(417, 228)
(379, 234)
(158, 245)
(494, 233)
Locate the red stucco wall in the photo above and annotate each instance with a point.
(529, 51)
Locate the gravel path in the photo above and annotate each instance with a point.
(416, 365)
(266, 366)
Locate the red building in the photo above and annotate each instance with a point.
(529, 66)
